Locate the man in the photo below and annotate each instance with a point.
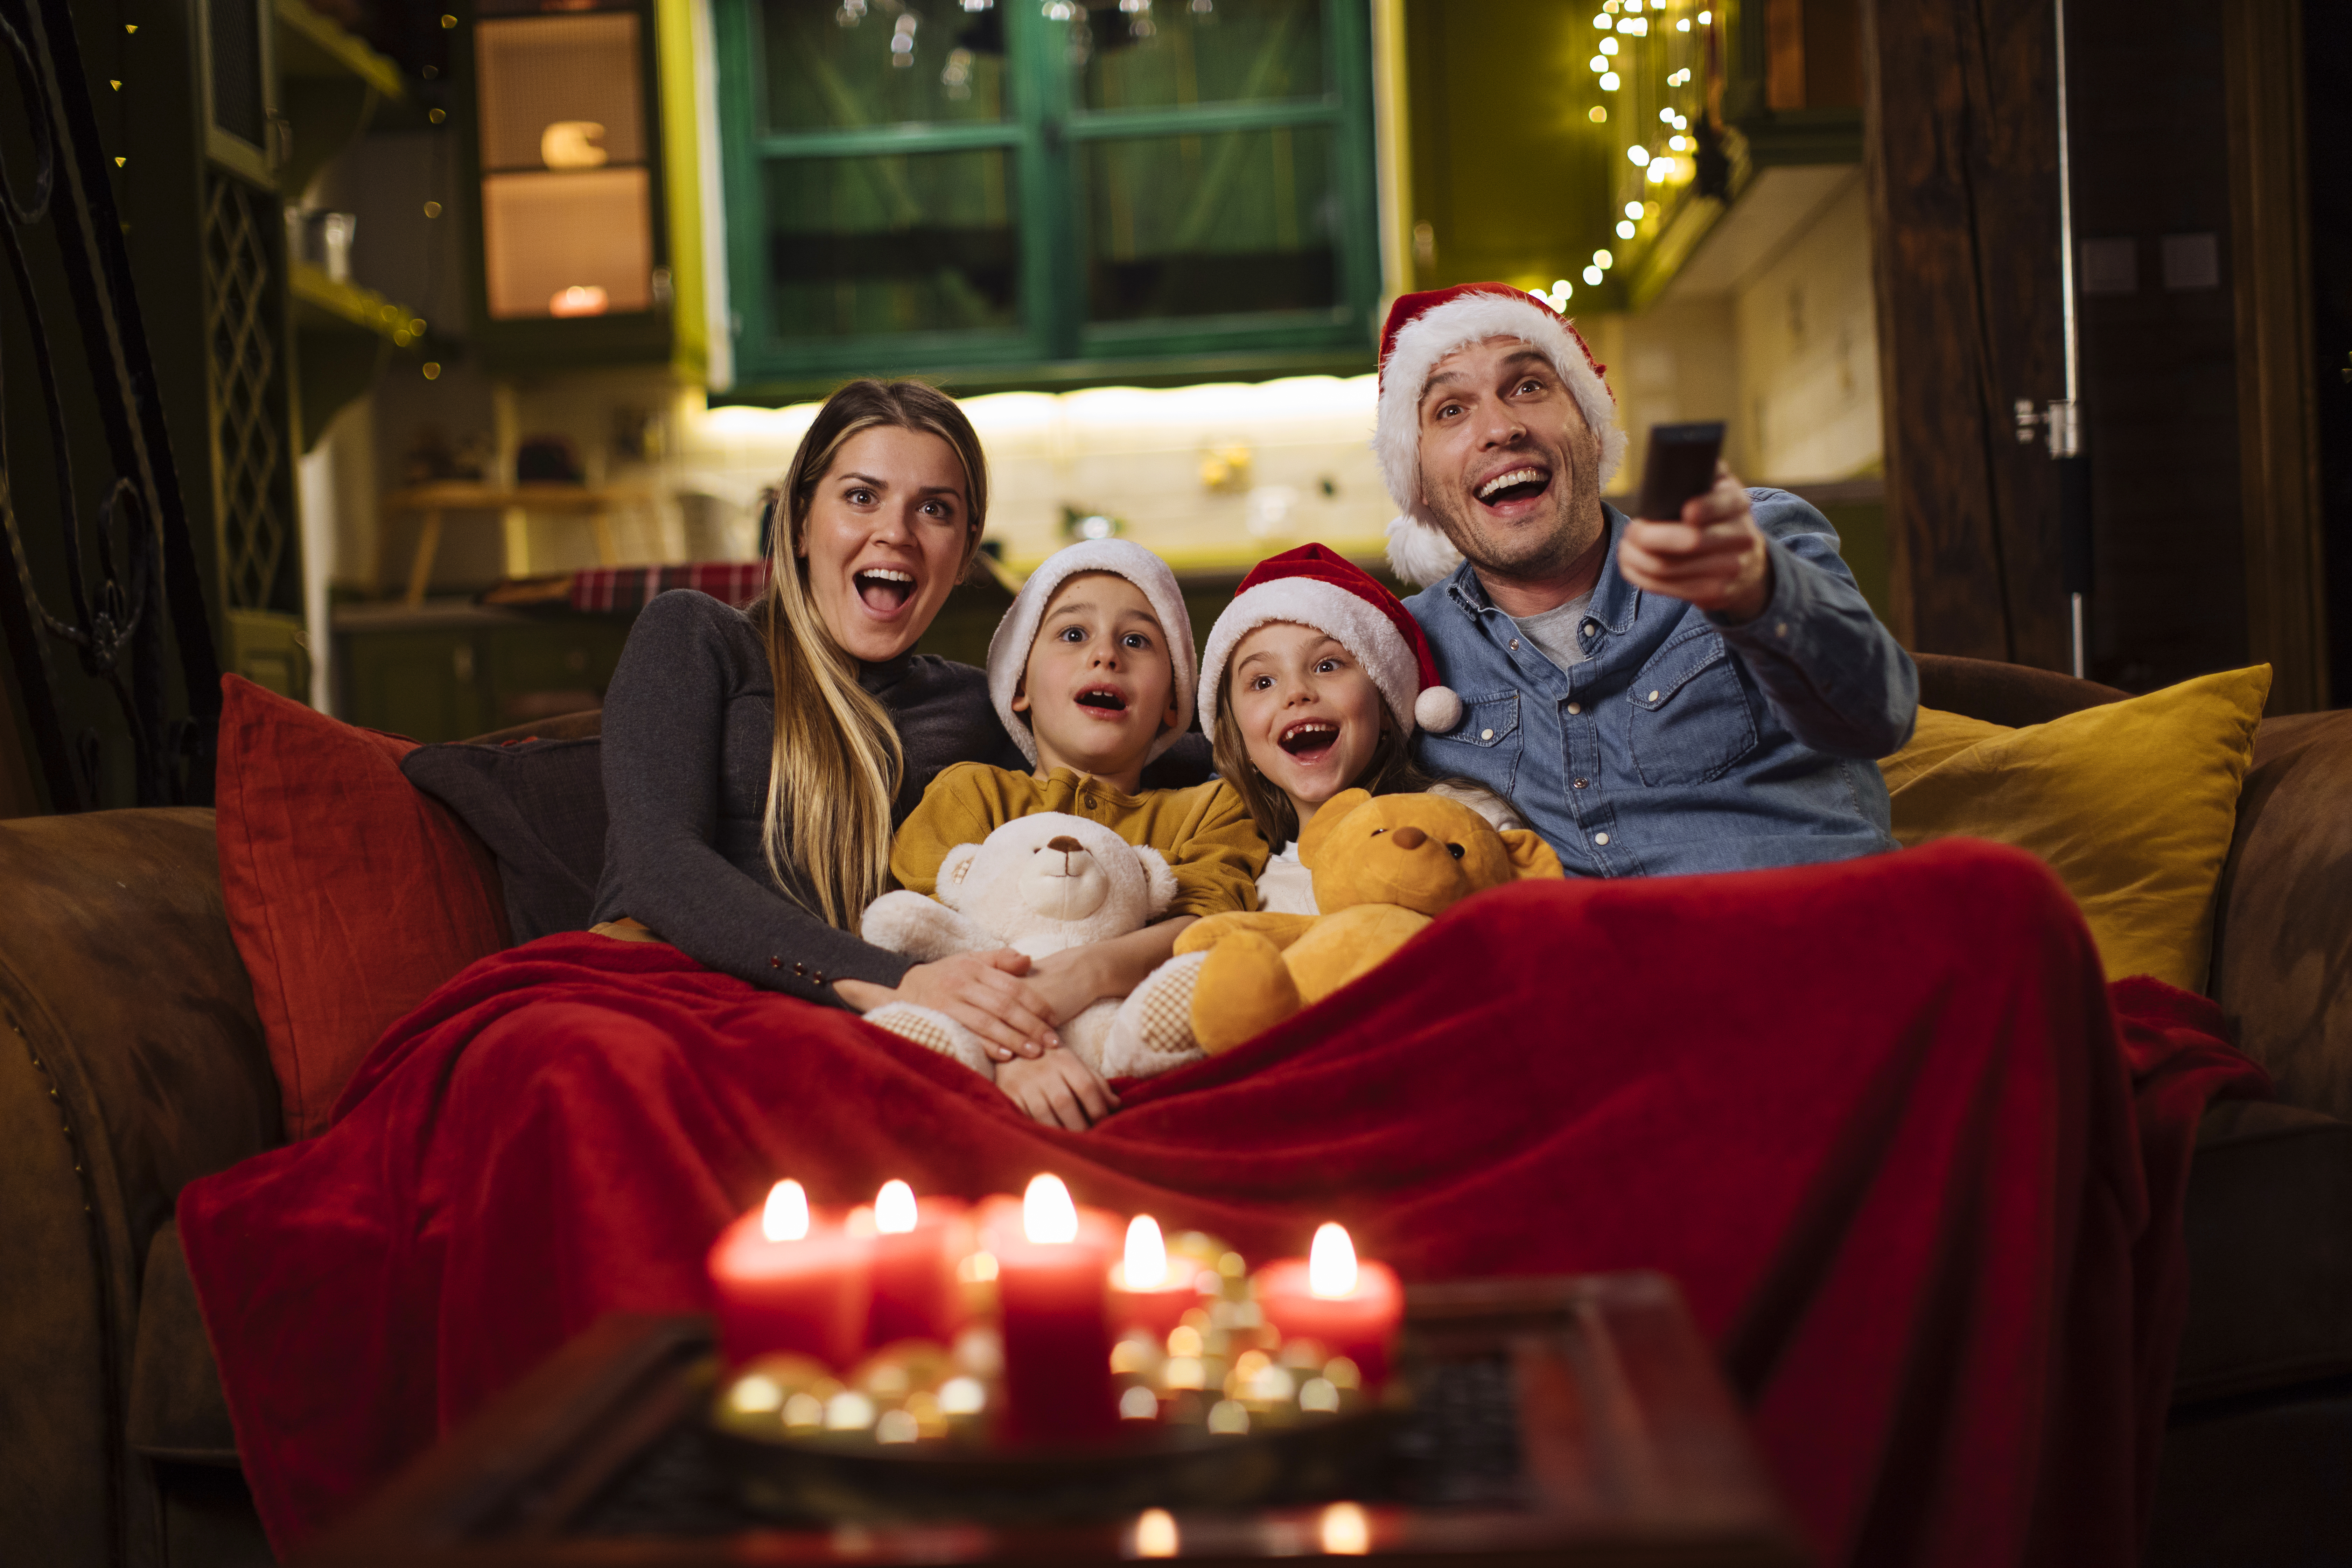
(1709, 693)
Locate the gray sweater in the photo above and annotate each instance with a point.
(689, 726)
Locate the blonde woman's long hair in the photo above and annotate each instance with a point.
(837, 761)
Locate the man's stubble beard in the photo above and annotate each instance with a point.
(1532, 551)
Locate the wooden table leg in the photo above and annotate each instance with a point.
(518, 532)
(420, 568)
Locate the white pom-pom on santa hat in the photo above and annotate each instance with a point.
(1422, 330)
(1312, 587)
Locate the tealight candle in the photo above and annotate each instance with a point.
(1352, 1307)
(917, 1247)
(783, 1279)
(1147, 1291)
(1051, 1280)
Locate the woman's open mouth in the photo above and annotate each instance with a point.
(1309, 738)
(885, 589)
(1103, 698)
(1520, 484)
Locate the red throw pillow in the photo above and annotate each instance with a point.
(352, 895)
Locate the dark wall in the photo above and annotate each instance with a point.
(151, 122)
(2327, 55)
(2151, 148)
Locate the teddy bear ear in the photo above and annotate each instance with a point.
(1530, 855)
(1327, 818)
(954, 869)
(1158, 881)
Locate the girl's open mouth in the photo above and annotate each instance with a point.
(1309, 738)
(885, 589)
(1104, 698)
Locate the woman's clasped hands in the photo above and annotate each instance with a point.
(1013, 1002)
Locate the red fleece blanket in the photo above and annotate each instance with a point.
(1919, 1174)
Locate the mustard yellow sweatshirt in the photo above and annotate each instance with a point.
(1204, 832)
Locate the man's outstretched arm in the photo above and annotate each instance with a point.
(1766, 571)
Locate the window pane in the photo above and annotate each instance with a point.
(1210, 226)
(1171, 53)
(909, 242)
(846, 64)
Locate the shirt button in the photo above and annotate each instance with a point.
(1486, 734)
(1781, 629)
(775, 963)
(1601, 838)
(1590, 627)
(1515, 645)
(1653, 697)
(1090, 802)
(799, 969)
(1578, 784)
(1576, 706)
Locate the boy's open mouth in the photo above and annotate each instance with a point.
(1523, 483)
(885, 589)
(1104, 698)
(1309, 738)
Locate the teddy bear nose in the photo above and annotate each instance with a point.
(1064, 843)
(1409, 837)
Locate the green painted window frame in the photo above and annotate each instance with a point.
(1045, 135)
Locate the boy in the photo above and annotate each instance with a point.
(1092, 671)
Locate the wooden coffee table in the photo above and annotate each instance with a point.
(1571, 1421)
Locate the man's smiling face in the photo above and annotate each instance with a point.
(1509, 468)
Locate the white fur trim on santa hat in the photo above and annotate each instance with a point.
(1419, 550)
(1008, 650)
(1330, 609)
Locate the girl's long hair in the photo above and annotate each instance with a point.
(1390, 771)
(837, 761)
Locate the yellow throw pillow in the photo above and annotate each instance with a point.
(2131, 805)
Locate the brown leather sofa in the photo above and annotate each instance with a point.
(137, 1064)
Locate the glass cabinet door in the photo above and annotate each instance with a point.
(949, 186)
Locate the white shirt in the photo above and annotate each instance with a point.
(1285, 887)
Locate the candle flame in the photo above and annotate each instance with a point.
(1046, 1212)
(1146, 1255)
(894, 1208)
(787, 1217)
(1347, 1530)
(1331, 1263)
(1155, 1533)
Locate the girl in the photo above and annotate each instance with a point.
(1312, 682)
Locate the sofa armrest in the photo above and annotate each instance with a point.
(2282, 913)
(132, 1062)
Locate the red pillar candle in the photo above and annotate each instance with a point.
(785, 1279)
(1354, 1309)
(1051, 1278)
(917, 1247)
(1147, 1288)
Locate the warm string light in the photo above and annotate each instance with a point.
(1331, 1263)
(787, 1217)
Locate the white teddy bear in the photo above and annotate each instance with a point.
(1041, 884)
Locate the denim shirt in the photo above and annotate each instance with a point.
(1685, 744)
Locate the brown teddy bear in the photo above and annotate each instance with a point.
(1383, 867)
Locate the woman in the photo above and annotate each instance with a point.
(756, 763)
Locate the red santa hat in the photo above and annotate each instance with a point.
(1422, 330)
(1311, 587)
